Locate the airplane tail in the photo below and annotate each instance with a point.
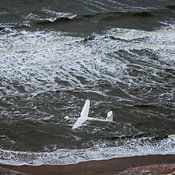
(109, 116)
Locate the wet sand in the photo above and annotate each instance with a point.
(153, 164)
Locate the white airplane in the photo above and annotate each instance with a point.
(84, 116)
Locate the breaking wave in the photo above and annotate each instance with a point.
(133, 147)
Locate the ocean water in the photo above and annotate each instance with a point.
(56, 54)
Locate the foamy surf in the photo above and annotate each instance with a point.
(39, 58)
(132, 147)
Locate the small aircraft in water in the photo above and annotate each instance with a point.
(84, 116)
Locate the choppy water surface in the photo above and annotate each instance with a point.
(55, 55)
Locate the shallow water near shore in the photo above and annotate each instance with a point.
(55, 55)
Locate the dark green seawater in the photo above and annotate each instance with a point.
(56, 54)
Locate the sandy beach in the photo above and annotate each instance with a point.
(153, 164)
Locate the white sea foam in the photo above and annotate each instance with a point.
(39, 59)
(161, 41)
(133, 147)
(60, 14)
(3, 12)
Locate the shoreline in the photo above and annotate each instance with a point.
(160, 164)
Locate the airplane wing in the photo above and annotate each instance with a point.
(79, 122)
(85, 110)
(83, 116)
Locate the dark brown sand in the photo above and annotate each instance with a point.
(153, 164)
